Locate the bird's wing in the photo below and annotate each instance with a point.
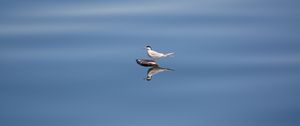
(169, 54)
(154, 53)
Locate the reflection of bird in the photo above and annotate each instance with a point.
(156, 55)
(155, 70)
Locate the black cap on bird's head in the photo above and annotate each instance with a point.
(148, 47)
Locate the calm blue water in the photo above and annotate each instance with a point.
(237, 63)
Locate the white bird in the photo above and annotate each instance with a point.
(156, 55)
(155, 70)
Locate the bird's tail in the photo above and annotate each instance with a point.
(169, 54)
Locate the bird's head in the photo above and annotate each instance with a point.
(148, 47)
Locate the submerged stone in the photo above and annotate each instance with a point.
(146, 62)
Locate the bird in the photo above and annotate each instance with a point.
(155, 70)
(156, 55)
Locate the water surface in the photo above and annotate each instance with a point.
(73, 63)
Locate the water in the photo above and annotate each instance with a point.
(73, 63)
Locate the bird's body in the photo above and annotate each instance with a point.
(156, 55)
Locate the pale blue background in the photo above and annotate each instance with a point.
(72, 63)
